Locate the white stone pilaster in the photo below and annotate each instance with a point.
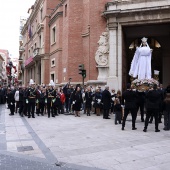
(112, 80)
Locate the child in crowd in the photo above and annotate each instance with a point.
(118, 111)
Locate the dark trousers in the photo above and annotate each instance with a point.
(118, 117)
(62, 108)
(41, 105)
(133, 113)
(167, 120)
(55, 109)
(67, 104)
(21, 107)
(153, 112)
(88, 111)
(12, 108)
(140, 106)
(31, 109)
(2, 99)
(105, 113)
(25, 109)
(112, 107)
(50, 109)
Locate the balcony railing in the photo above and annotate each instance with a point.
(37, 52)
(21, 49)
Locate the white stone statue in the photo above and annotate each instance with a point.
(141, 63)
(102, 53)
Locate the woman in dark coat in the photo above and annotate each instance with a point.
(97, 101)
(77, 101)
(88, 99)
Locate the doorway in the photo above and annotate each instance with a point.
(157, 40)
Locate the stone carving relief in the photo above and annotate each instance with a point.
(102, 53)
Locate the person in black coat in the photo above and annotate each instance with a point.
(162, 92)
(106, 100)
(88, 99)
(21, 100)
(2, 95)
(118, 111)
(43, 100)
(32, 92)
(166, 109)
(57, 103)
(11, 101)
(129, 97)
(153, 98)
(77, 100)
(25, 100)
(97, 101)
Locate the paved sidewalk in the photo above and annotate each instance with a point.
(86, 142)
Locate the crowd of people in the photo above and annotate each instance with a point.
(51, 100)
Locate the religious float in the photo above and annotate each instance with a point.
(141, 68)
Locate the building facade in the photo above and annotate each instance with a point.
(4, 57)
(65, 37)
(36, 42)
(101, 34)
(21, 51)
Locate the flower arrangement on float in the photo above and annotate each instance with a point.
(144, 84)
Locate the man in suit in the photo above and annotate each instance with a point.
(130, 98)
(162, 92)
(31, 99)
(152, 105)
(106, 100)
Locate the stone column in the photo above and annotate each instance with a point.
(42, 70)
(113, 63)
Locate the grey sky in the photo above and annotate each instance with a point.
(10, 12)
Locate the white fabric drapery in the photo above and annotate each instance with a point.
(141, 63)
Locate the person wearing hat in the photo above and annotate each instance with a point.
(31, 99)
(50, 93)
(129, 98)
(153, 98)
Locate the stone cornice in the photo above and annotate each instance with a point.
(117, 2)
(53, 19)
(135, 10)
(59, 49)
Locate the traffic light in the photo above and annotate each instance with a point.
(84, 73)
(81, 68)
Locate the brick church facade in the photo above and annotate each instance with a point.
(60, 35)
